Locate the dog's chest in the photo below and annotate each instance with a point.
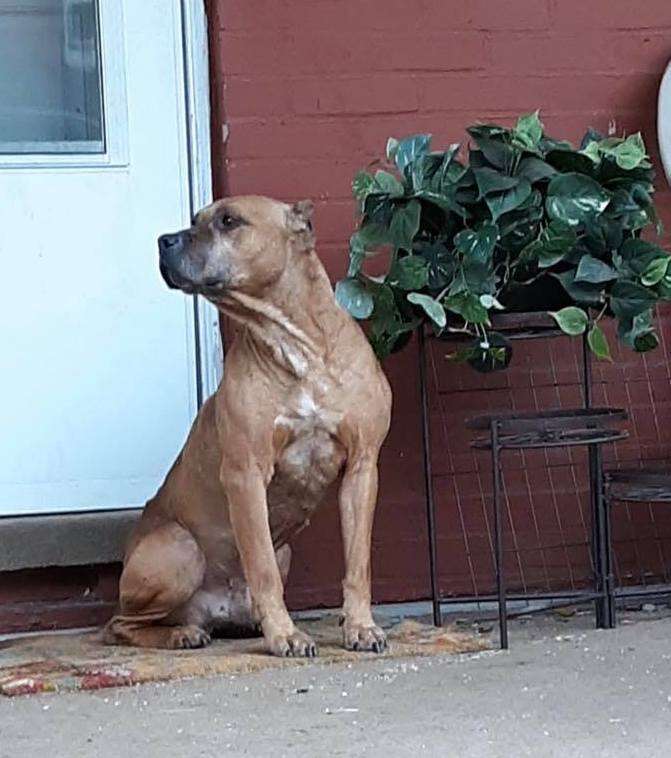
(306, 411)
(310, 458)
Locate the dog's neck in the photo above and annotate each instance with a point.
(295, 322)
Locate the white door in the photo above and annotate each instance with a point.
(97, 361)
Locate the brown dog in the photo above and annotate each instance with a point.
(302, 399)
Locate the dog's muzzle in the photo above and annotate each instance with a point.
(184, 267)
(171, 249)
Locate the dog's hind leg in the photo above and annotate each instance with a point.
(162, 573)
(230, 607)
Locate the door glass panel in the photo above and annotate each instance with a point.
(50, 82)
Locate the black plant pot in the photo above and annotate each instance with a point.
(546, 294)
(505, 328)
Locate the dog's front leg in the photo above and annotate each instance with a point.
(358, 496)
(246, 492)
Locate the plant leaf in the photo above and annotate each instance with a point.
(378, 208)
(444, 201)
(385, 316)
(629, 153)
(498, 153)
(504, 202)
(591, 135)
(478, 244)
(486, 355)
(442, 176)
(655, 271)
(468, 306)
(373, 235)
(409, 273)
(529, 130)
(637, 332)
(357, 254)
(535, 170)
(638, 254)
(433, 309)
(392, 147)
(441, 264)
(353, 296)
(603, 234)
(478, 276)
(567, 160)
(362, 185)
(571, 320)
(487, 130)
(575, 198)
(409, 149)
(489, 302)
(388, 183)
(645, 342)
(629, 299)
(591, 150)
(554, 243)
(594, 271)
(598, 343)
(581, 292)
(490, 180)
(404, 224)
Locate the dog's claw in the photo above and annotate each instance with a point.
(294, 645)
(364, 637)
(190, 637)
(379, 646)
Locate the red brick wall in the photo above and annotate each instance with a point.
(305, 92)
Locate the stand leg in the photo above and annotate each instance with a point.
(596, 538)
(600, 541)
(610, 619)
(586, 373)
(605, 604)
(428, 481)
(498, 536)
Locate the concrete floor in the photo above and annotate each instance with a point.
(563, 690)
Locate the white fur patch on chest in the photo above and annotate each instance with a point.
(311, 456)
(304, 414)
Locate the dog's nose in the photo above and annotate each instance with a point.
(170, 242)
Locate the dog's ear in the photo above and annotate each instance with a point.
(299, 221)
(299, 216)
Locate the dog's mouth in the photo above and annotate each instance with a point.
(213, 286)
(210, 288)
(175, 281)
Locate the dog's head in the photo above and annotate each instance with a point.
(240, 243)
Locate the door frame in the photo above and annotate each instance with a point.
(664, 121)
(195, 51)
(100, 536)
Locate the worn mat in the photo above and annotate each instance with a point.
(68, 662)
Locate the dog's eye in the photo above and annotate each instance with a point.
(226, 221)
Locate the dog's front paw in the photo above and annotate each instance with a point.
(188, 637)
(364, 637)
(296, 644)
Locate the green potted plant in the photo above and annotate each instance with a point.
(527, 222)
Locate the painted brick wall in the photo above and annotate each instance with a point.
(305, 92)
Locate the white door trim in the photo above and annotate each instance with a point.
(209, 353)
(664, 122)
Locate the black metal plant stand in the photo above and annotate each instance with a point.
(585, 426)
(642, 486)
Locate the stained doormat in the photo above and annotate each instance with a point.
(79, 661)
